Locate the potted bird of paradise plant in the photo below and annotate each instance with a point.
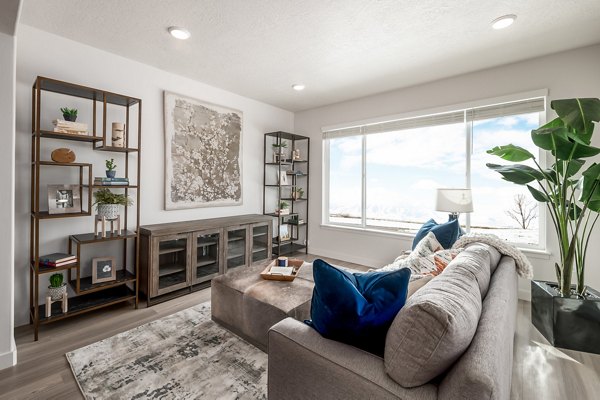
(567, 315)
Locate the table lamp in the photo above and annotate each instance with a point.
(454, 201)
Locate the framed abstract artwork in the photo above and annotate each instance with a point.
(203, 153)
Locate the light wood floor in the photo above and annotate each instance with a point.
(540, 371)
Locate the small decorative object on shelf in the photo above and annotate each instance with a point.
(284, 233)
(107, 203)
(278, 154)
(297, 193)
(64, 199)
(103, 269)
(296, 154)
(69, 114)
(57, 287)
(283, 179)
(64, 306)
(283, 208)
(111, 168)
(118, 134)
(63, 155)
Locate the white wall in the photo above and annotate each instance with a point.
(44, 54)
(8, 352)
(568, 74)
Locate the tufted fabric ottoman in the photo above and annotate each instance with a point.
(248, 305)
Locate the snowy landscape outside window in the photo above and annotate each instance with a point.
(387, 180)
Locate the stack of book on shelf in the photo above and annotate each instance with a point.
(101, 181)
(58, 259)
(76, 128)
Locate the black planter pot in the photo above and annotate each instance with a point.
(566, 322)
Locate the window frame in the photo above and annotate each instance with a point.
(465, 107)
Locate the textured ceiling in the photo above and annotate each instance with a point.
(340, 49)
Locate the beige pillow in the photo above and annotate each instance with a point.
(434, 328)
(417, 284)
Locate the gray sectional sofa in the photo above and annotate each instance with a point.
(452, 340)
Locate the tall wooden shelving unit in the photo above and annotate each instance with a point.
(298, 177)
(88, 296)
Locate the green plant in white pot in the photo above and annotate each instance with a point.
(107, 203)
(57, 288)
(570, 189)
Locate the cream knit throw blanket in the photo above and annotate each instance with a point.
(524, 267)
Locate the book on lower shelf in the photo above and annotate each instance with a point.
(57, 258)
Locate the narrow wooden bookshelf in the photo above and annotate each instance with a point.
(88, 296)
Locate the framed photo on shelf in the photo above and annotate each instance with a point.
(283, 178)
(103, 269)
(284, 232)
(64, 199)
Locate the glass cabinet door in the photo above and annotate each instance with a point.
(171, 262)
(236, 247)
(207, 256)
(261, 239)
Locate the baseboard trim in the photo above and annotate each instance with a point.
(9, 359)
(524, 294)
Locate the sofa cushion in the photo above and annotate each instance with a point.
(356, 308)
(446, 233)
(417, 284)
(434, 328)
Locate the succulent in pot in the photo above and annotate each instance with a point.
(69, 114)
(107, 203)
(57, 287)
(111, 168)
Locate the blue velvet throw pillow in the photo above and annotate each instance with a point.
(446, 233)
(357, 308)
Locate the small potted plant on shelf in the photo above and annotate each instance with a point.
(283, 208)
(69, 114)
(107, 203)
(111, 168)
(297, 193)
(278, 155)
(57, 287)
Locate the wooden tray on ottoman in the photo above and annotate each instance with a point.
(292, 262)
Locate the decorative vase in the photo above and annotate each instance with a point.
(56, 293)
(109, 211)
(566, 322)
(69, 118)
(111, 174)
(118, 134)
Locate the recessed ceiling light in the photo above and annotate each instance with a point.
(504, 21)
(298, 87)
(179, 33)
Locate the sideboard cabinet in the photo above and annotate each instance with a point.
(179, 257)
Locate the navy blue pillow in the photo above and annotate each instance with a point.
(446, 233)
(356, 308)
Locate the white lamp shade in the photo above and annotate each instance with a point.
(454, 200)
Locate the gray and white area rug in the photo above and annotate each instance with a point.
(182, 356)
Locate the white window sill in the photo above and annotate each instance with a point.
(542, 254)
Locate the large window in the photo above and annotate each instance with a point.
(384, 175)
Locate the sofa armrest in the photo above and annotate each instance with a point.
(304, 365)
